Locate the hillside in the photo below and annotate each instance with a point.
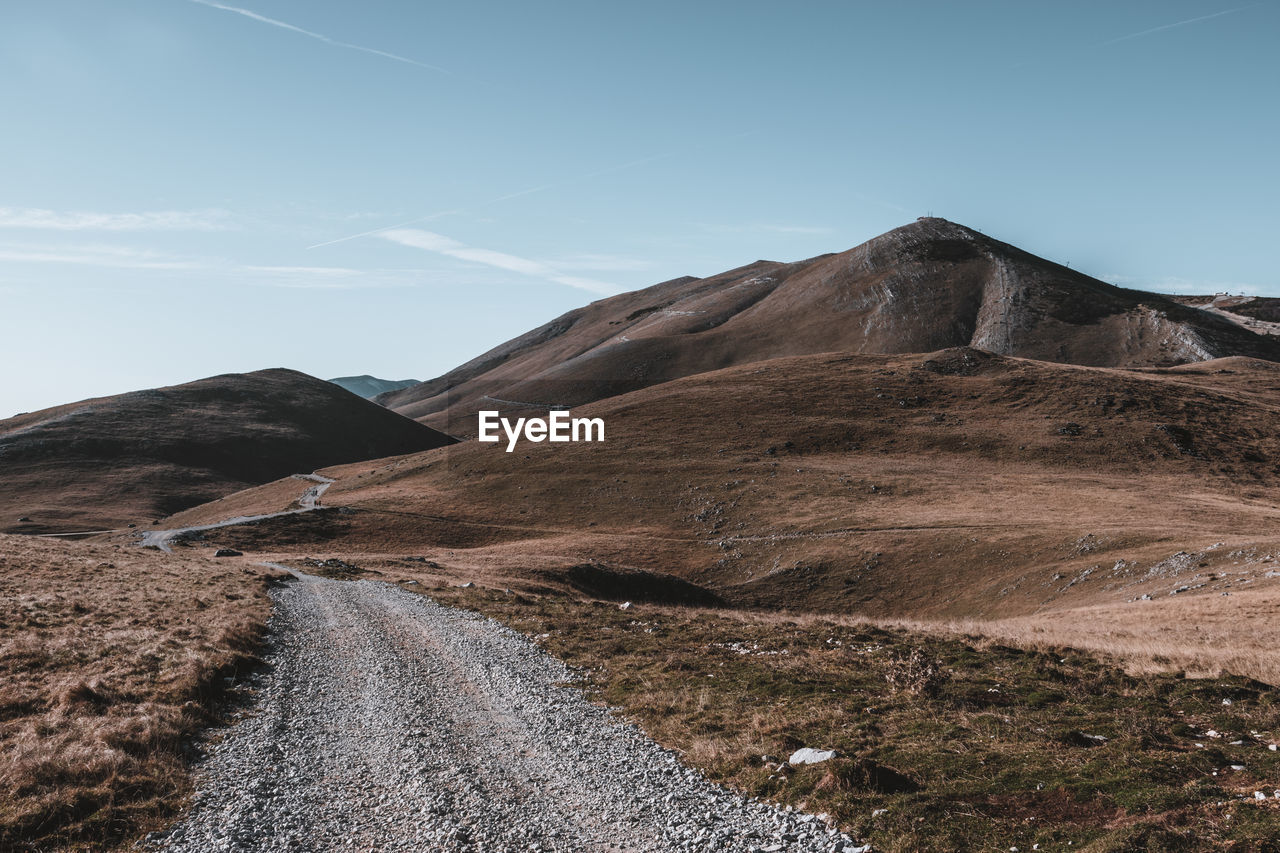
(927, 286)
(959, 484)
(371, 386)
(131, 458)
(112, 662)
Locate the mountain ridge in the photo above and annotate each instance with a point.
(926, 286)
(368, 387)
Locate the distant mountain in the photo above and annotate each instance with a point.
(929, 285)
(371, 386)
(133, 457)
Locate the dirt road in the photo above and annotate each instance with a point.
(307, 501)
(388, 722)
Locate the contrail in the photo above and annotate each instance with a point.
(320, 37)
(630, 164)
(1176, 24)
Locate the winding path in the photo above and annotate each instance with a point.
(307, 502)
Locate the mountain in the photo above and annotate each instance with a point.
(927, 286)
(953, 484)
(371, 386)
(130, 458)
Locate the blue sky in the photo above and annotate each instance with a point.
(178, 178)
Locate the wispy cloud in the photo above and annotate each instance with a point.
(600, 263)
(588, 176)
(219, 269)
(431, 242)
(329, 278)
(316, 271)
(319, 36)
(163, 220)
(1176, 24)
(116, 257)
(418, 220)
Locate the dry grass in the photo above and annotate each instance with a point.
(1200, 635)
(110, 659)
(851, 485)
(964, 745)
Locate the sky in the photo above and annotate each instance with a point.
(392, 187)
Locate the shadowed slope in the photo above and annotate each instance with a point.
(129, 458)
(926, 286)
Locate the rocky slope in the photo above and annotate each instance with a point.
(926, 286)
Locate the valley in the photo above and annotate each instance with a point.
(653, 427)
(1003, 537)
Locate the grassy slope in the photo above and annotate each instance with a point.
(938, 488)
(991, 752)
(951, 486)
(1000, 489)
(109, 659)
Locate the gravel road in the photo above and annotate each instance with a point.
(308, 501)
(385, 721)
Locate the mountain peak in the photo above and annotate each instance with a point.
(929, 285)
(928, 228)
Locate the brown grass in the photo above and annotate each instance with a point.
(111, 659)
(855, 485)
(1201, 635)
(944, 743)
(1128, 513)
